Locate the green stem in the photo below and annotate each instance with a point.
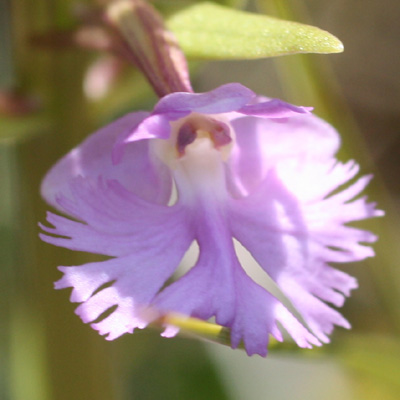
(7, 78)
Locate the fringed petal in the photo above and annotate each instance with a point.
(111, 220)
(293, 241)
(128, 283)
(149, 240)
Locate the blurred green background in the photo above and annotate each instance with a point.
(48, 354)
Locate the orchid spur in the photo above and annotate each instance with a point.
(260, 171)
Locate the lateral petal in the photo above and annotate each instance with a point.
(112, 220)
(139, 172)
(262, 143)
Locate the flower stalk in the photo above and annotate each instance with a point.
(150, 45)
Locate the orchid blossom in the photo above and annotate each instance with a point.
(245, 168)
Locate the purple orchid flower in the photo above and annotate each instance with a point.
(260, 171)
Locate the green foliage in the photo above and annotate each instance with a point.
(180, 368)
(374, 363)
(168, 7)
(210, 31)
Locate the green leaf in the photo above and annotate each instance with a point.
(167, 7)
(210, 31)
